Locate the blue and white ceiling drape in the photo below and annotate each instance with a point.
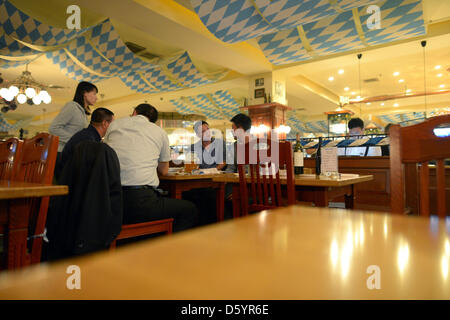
(293, 30)
(93, 54)
(218, 105)
(5, 126)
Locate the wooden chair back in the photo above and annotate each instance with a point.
(264, 160)
(37, 165)
(10, 153)
(418, 144)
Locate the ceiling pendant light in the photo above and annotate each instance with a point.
(21, 98)
(359, 55)
(14, 90)
(423, 44)
(37, 100)
(26, 90)
(30, 92)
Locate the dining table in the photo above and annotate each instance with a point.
(310, 188)
(177, 183)
(290, 253)
(15, 205)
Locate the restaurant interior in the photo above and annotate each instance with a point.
(301, 71)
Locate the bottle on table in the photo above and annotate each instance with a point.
(318, 157)
(298, 156)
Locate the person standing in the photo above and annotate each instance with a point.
(73, 117)
(143, 151)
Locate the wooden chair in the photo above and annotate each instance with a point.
(10, 151)
(37, 165)
(144, 228)
(417, 145)
(265, 189)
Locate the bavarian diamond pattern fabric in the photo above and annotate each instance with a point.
(317, 126)
(85, 53)
(283, 47)
(400, 19)
(135, 82)
(159, 80)
(12, 64)
(18, 25)
(186, 73)
(333, 34)
(226, 103)
(108, 42)
(10, 47)
(402, 117)
(219, 105)
(182, 107)
(70, 68)
(240, 20)
(202, 103)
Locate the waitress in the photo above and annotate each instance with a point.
(73, 117)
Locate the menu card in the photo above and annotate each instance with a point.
(329, 161)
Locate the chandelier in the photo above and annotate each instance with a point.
(26, 90)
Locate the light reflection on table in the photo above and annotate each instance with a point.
(290, 253)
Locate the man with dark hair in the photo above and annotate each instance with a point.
(147, 111)
(143, 151)
(210, 151)
(241, 121)
(356, 128)
(101, 118)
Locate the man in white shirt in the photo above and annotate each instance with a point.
(356, 128)
(143, 151)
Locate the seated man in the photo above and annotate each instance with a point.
(238, 122)
(100, 121)
(210, 151)
(143, 151)
(356, 128)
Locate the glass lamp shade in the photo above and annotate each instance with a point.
(30, 92)
(14, 90)
(8, 96)
(4, 92)
(37, 100)
(42, 94)
(21, 98)
(47, 99)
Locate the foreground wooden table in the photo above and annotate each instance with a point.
(15, 206)
(177, 184)
(308, 188)
(289, 253)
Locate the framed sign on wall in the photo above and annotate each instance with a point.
(259, 93)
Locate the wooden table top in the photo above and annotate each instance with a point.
(181, 177)
(289, 253)
(307, 179)
(15, 189)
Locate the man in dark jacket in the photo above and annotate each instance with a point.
(100, 121)
(89, 218)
